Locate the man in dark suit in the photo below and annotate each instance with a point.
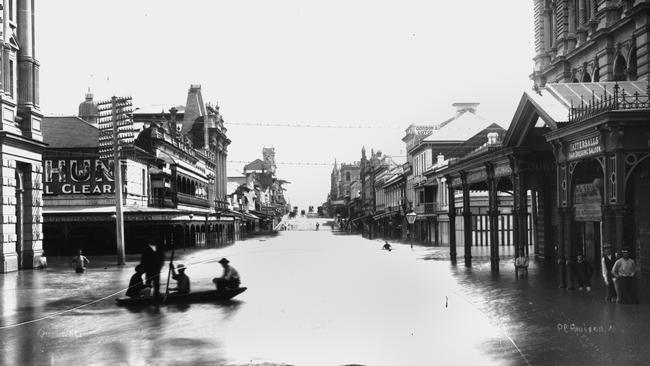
(152, 261)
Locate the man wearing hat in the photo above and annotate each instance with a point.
(229, 278)
(182, 281)
(606, 265)
(624, 270)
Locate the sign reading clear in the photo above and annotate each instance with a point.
(586, 147)
(78, 176)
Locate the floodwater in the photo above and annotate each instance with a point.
(313, 298)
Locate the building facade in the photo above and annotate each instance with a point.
(173, 190)
(21, 145)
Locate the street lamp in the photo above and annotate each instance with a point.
(410, 217)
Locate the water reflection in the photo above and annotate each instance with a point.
(313, 299)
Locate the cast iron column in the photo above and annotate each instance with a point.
(467, 223)
(452, 221)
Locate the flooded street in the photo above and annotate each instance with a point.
(314, 298)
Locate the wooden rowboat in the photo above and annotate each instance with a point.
(176, 298)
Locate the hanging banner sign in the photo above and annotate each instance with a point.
(587, 202)
(502, 170)
(478, 176)
(78, 176)
(584, 148)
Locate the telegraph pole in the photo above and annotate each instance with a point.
(117, 173)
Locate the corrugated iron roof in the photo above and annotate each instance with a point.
(69, 132)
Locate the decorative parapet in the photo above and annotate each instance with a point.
(618, 100)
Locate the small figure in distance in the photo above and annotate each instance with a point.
(584, 272)
(317, 226)
(387, 246)
(42, 261)
(79, 262)
(521, 265)
(229, 278)
(137, 288)
(182, 281)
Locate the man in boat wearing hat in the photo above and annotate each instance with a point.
(624, 271)
(229, 278)
(182, 281)
(137, 288)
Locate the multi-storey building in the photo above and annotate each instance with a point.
(173, 174)
(454, 137)
(575, 156)
(21, 145)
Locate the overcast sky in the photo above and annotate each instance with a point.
(373, 63)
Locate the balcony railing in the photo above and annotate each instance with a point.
(220, 205)
(618, 100)
(161, 202)
(426, 208)
(192, 200)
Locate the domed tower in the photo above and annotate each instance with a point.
(88, 109)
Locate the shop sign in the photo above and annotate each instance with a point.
(502, 170)
(479, 176)
(456, 182)
(78, 176)
(584, 148)
(587, 202)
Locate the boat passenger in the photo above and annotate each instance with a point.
(137, 288)
(182, 281)
(229, 278)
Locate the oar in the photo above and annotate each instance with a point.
(169, 273)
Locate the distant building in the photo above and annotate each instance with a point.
(88, 109)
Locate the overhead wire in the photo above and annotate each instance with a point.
(306, 125)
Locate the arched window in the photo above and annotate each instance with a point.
(631, 65)
(586, 78)
(620, 69)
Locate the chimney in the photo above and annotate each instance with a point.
(466, 107)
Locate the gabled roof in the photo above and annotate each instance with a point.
(69, 132)
(531, 106)
(461, 127)
(257, 164)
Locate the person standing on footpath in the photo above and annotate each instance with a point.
(624, 271)
(583, 273)
(606, 265)
(152, 261)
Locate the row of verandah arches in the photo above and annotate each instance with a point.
(190, 186)
(624, 224)
(508, 222)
